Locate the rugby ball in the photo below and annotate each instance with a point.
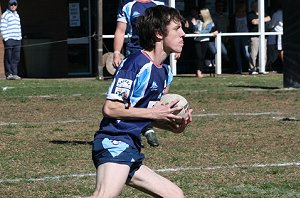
(108, 59)
(168, 98)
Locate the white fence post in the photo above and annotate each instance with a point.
(173, 61)
(173, 64)
(218, 57)
(262, 41)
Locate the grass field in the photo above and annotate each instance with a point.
(244, 140)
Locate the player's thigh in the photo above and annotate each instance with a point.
(111, 178)
(154, 184)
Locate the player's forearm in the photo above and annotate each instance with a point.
(118, 41)
(119, 111)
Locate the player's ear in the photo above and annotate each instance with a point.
(158, 35)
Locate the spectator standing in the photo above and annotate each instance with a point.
(203, 25)
(221, 21)
(272, 54)
(11, 33)
(188, 25)
(274, 50)
(219, 17)
(127, 16)
(241, 43)
(253, 22)
(129, 108)
(277, 25)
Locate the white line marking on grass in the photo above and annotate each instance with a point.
(54, 122)
(43, 96)
(7, 123)
(6, 88)
(231, 167)
(53, 96)
(165, 170)
(47, 178)
(194, 115)
(236, 114)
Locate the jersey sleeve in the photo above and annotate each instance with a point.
(124, 81)
(121, 86)
(124, 11)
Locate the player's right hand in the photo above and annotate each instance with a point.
(117, 59)
(165, 111)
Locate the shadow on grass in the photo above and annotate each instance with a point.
(70, 142)
(290, 119)
(255, 87)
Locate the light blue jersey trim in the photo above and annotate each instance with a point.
(114, 147)
(141, 84)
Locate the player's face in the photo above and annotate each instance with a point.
(173, 42)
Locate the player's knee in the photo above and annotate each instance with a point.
(175, 193)
(105, 194)
(179, 193)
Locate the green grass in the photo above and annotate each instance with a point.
(47, 125)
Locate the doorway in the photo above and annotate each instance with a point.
(79, 38)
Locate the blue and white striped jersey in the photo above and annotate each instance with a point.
(138, 83)
(10, 26)
(129, 12)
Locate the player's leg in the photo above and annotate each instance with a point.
(112, 158)
(146, 180)
(110, 180)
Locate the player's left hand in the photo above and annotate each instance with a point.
(178, 126)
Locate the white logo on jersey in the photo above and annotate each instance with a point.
(153, 86)
(124, 83)
(136, 14)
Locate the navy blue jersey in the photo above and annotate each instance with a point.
(137, 83)
(129, 12)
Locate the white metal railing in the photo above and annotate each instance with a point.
(218, 42)
(261, 48)
(261, 33)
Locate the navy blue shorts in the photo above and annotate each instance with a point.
(106, 150)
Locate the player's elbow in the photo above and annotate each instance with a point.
(112, 109)
(107, 111)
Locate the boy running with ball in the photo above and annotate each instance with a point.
(132, 103)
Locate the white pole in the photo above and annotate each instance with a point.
(173, 61)
(218, 56)
(172, 3)
(262, 40)
(100, 40)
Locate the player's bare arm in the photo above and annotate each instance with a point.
(117, 109)
(118, 42)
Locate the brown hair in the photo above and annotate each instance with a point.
(156, 19)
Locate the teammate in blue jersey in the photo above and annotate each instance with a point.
(127, 20)
(129, 11)
(132, 103)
